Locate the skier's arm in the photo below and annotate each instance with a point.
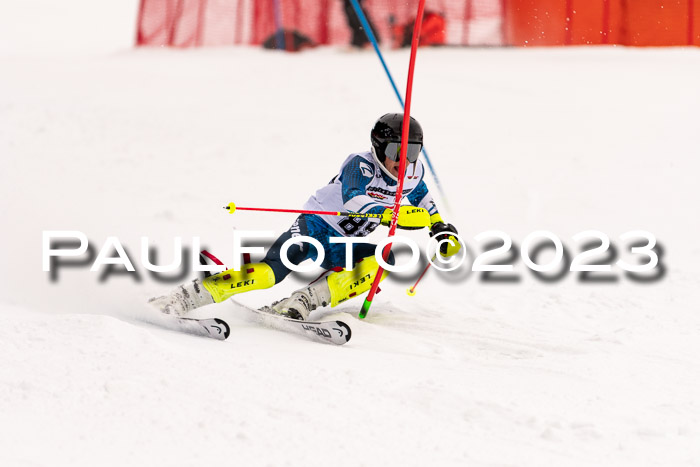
(421, 197)
(355, 177)
(410, 217)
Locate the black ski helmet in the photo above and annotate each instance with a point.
(387, 130)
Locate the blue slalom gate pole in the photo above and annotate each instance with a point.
(373, 40)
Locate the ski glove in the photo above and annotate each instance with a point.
(440, 232)
(410, 218)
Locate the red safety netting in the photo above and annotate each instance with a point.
(193, 23)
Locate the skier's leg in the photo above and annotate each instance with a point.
(226, 284)
(336, 287)
(265, 274)
(215, 288)
(344, 285)
(253, 276)
(297, 252)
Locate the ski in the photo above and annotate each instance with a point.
(328, 332)
(208, 327)
(214, 328)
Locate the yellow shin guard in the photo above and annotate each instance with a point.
(254, 276)
(344, 285)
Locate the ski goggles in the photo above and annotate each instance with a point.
(393, 151)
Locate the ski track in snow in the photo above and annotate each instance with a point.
(154, 142)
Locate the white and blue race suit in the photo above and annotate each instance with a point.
(362, 185)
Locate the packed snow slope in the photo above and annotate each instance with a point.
(525, 372)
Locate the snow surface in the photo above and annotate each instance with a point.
(128, 143)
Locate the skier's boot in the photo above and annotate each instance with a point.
(182, 300)
(333, 289)
(304, 301)
(215, 289)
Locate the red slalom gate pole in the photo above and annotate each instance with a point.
(402, 159)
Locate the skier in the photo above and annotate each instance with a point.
(366, 183)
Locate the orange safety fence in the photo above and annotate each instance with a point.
(584, 22)
(307, 23)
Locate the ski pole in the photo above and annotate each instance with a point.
(231, 208)
(412, 290)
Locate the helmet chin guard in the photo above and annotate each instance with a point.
(381, 166)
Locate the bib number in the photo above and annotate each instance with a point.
(357, 226)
